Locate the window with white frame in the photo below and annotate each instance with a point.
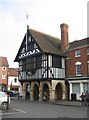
(88, 67)
(3, 76)
(3, 68)
(76, 88)
(78, 68)
(77, 53)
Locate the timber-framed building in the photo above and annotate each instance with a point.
(41, 61)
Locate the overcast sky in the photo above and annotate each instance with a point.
(43, 15)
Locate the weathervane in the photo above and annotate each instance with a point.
(27, 29)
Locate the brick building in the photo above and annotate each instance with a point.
(52, 65)
(77, 67)
(3, 73)
(8, 76)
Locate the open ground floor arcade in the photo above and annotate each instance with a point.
(40, 90)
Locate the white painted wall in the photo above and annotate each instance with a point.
(81, 87)
(11, 79)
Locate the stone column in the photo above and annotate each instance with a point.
(52, 95)
(24, 90)
(41, 92)
(32, 91)
(40, 95)
(21, 90)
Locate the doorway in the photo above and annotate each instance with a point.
(36, 92)
(46, 91)
(58, 92)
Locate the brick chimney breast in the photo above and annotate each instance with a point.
(64, 36)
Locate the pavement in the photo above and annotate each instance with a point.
(60, 102)
(68, 103)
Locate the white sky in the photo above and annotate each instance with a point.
(44, 15)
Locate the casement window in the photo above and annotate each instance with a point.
(77, 53)
(56, 61)
(3, 76)
(78, 68)
(34, 63)
(76, 88)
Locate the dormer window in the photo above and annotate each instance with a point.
(77, 53)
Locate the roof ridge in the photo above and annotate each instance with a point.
(79, 40)
(45, 34)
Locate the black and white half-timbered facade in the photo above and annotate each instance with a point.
(41, 66)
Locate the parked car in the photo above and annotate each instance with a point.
(10, 93)
(4, 100)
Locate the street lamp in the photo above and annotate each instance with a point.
(7, 82)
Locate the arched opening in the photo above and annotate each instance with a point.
(58, 92)
(46, 91)
(36, 92)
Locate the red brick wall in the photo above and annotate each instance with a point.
(70, 63)
(3, 81)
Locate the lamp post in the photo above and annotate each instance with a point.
(7, 90)
(7, 80)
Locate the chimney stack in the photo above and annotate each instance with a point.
(64, 36)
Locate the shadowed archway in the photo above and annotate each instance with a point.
(36, 92)
(46, 90)
(58, 92)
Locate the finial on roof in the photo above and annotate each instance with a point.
(27, 18)
(27, 27)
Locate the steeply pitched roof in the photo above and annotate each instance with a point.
(13, 72)
(3, 61)
(47, 43)
(78, 43)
